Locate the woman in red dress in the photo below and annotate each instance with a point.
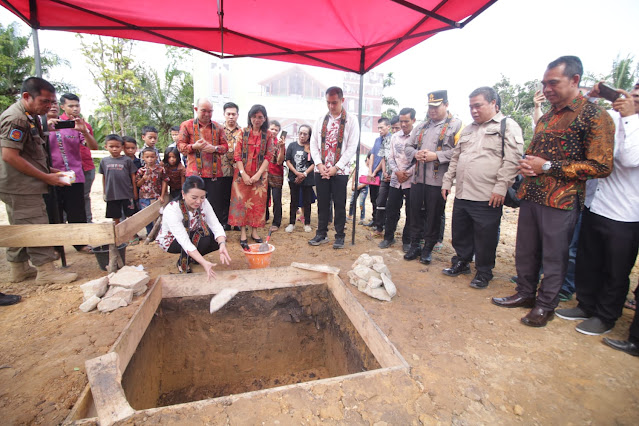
(252, 155)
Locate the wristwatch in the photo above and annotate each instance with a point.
(546, 166)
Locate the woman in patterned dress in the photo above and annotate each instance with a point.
(248, 195)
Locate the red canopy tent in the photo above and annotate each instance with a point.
(348, 35)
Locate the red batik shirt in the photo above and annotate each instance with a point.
(185, 143)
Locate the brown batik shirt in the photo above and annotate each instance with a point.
(578, 140)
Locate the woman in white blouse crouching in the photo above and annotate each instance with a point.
(190, 227)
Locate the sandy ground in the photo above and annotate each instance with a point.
(477, 363)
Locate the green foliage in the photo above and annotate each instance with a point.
(114, 72)
(622, 74)
(100, 129)
(16, 65)
(168, 99)
(517, 102)
(389, 80)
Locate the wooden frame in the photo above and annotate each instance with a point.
(94, 234)
(103, 399)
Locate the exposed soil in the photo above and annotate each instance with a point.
(471, 362)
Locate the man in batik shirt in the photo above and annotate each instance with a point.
(333, 145)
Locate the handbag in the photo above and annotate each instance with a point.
(365, 181)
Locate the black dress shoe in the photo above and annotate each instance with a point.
(405, 248)
(386, 244)
(226, 227)
(479, 282)
(426, 257)
(514, 301)
(538, 317)
(236, 228)
(623, 345)
(9, 299)
(413, 253)
(257, 240)
(457, 269)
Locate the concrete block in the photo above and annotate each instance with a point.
(123, 293)
(94, 288)
(377, 293)
(382, 269)
(140, 291)
(361, 284)
(378, 260)
(90, 304)
(365, 260)
(374, 282)
(389, 286)
(111, 304)
(129, 277)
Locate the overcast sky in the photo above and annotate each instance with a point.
(513, 37)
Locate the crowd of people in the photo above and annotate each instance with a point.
(578, 208)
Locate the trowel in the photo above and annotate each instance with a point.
(264, 246)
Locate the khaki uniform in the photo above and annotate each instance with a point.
(22, 194)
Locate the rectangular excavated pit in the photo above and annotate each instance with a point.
(286, 326)
(259, 340)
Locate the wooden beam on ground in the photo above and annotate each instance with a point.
(62, 234)
(125, 230)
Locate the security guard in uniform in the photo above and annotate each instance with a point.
(25, 176)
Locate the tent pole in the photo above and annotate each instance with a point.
(36, 48)
(359, 142)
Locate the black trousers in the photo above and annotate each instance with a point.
(373, 190)
(475, 231)
(380, 203)
(206, 245)
(334, 187)
(274, 193)
(426, 208)
(634, 326)
(223, 187)
(71, 202)
(393, 212)
(212, 191)
(543, 239)
(605, 256)
(295, 202)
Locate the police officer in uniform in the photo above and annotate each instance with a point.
(24, 177)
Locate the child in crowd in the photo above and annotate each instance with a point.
(174, 170)
(118, 180)
(150, 138)
(151, 180)
(130, 149)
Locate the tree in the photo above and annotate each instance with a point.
(622, 74)
(168, 99)
(16, 65)
(114, 72)
(389, 80)
(517, 103)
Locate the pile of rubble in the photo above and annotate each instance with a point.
(114, 291)
(371, 276)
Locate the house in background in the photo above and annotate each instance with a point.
(292, 94)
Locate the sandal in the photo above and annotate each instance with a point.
(438, 247)
(244, 245)
(179, 268)
(86, 250)
(274, 228)
(630, 304)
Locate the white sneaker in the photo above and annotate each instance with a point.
(290, 228)
(307, 228)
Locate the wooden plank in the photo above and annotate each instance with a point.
(130, 337)
(61, 234)
(125, 230)
(185, 285)
(105, 379)
(383, 350)
(83, 407)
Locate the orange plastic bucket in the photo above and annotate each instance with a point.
(256, 259)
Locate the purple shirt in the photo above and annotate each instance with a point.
(71, 141)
